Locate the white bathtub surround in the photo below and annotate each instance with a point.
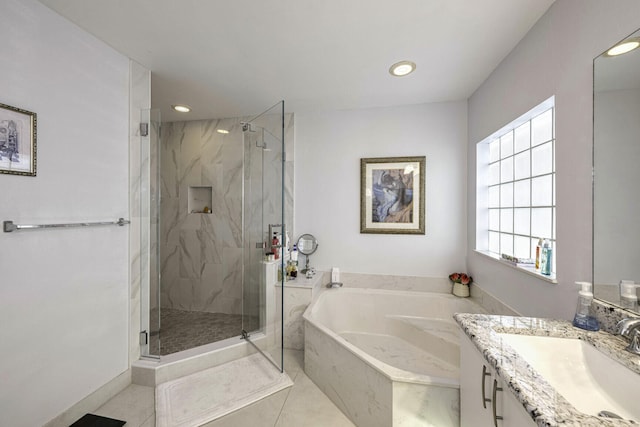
(387, 358)
(490, 303)
(394, 282)
(207, 395)
(298, 294)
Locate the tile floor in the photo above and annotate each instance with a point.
(301, 405)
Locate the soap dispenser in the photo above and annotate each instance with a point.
(584, 319)
(628, 296)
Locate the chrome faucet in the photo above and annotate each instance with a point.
(630, 329)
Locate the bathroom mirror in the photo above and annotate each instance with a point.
(307, 244)
(616, 165)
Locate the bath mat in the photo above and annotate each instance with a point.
(90, 420)
(210, 394)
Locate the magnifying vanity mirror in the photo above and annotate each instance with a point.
(616, 165)
(307, 245)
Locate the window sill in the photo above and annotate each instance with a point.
(529, 271)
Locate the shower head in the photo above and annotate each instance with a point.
(246, 126)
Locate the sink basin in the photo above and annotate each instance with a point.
(585, 377)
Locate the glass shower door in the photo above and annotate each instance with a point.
(263, 217)
(150, 231)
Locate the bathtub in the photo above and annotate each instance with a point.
(387, 358)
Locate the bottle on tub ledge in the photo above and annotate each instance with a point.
(335, 278)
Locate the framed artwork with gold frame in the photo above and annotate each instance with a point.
(18, 134)
(392, 195)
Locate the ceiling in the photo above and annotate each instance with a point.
(237, 57)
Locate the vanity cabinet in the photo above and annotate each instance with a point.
(484, 400)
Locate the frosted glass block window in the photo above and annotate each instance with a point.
(506, 220)
(523, 137)
(541, 222)
(494, 197)
(521, 193)
(506, 195)
(521, 185)
(494, 241)
(522, 222)
(494, 173)
(506, 170)
(521, 247)
(506, 145)
(506, 243)
(494, 219)
(542, 128)
(542, 159)
(540, 195)
(522, 165)
(494, 150)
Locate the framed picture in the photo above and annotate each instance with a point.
(392, 193)
(18, 131)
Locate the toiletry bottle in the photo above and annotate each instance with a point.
(584, 317)
(274, 246)
(335, 275)
(287, 243)
(288, 270)
(545, 258)
(294, 254)
(538, 249)
(628, 296)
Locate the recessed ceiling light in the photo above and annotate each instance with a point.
(402, 68)
(223, 131)
(624, 47)
(181, 108)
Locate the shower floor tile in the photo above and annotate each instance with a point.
(181, 329)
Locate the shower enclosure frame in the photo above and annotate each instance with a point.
(151, 219)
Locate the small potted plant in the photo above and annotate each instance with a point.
(461, 282)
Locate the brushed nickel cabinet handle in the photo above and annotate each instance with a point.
(493, 404)
(484, 397)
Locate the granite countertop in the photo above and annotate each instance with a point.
(546, 406)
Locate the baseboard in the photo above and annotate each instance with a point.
(92, 401)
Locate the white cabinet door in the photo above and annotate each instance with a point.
(481, 389)
(514, 413)
(476, 380)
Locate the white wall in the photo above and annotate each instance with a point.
(63, 293)
(329, 146)
(555, 58)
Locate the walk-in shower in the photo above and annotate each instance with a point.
(211, 192)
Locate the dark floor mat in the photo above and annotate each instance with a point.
(91, 420)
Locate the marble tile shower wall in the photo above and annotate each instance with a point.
(201, 254)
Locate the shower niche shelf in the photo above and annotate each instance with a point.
(199, 200)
